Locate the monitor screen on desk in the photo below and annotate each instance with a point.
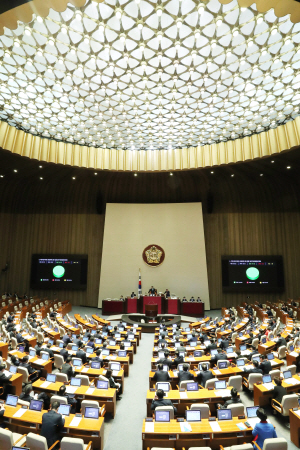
(229, 350)
(270, 356)
(77, 362)
(256, 358)
(243, 348)
(240, 362)
(45, 356)
(117, 335)
(223, 365)
(61, 345)
(89, 350)
(85, 339)
(115, 366)
(182, 354)
(131, 336)
(74, 348)
(64, 410)
(165, 368)
(291, 348)
(224, 414)
(105, 352)
(267, 379)
(197, 353)
(95, 365)
(91, 413)
(36, 405)
(21, 348)
(56, 329)
(19, 448)
(189, 336)
(126, 344)
(11, 400)
(162, 416)
(214, 352)
(251, 411)
(51, 342)
(287, 374)
(93, 331)
(98, 341)
(122, 353)
(101, 384)
(193, 344)
(177, 344)
(192, 386)
(112, 342)
(13, 369)
(187, 329)
(110, 327)
(121, 328)
(164, 386)
(51, 378)
(180, 367)
(75, 382)
(104, 333)
(193, 415)
(220, 384)
(263, 340)
(240, 334)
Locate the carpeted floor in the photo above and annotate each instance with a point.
(125, 431)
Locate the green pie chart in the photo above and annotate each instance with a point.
(58, 271)
(252, 273)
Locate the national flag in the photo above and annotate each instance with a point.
(140, 284)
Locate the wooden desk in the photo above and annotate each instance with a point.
(84, 322)
(105, 397)
(94, 373)
(211, 397)
(4, 349)
(67, 326)
(295, 427)
(169, 434)
(31, 421)
(51, 333)
(268, 347)
(262, 396)
(100, 320)
(45, 367)
(16, 383)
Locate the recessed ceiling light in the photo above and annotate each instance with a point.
(288, 167)
(73, 178)
(272, 161)
(211, 171)
(41, 178)
(40, 167)
(95, 173)
(232, 175)
(135, 174)
(1, 176)
(15, 170)
(171, 174)
(261, 174)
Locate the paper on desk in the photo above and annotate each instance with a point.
(241, 426)
(245, 352)
(71, 389)
(185, 427)
(85, 369)
(292, 381)
(149, 427)
(6, 373)
(190, 358)
(294, 354)
(250, 366)
(39, 361)
(217, 372)
(273, 363)
(269, 386)
(183, 395)
(115, 373)
(297, 412)
(13, 351)
(45, 384)
(112, 357)
(215, 426)
(223, 392)
(90, 391)
(20, 412)
(175, 373)
(75, 422)
(253, 421)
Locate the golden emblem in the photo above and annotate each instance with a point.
(153, 255)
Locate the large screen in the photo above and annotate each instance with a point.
(252, 273)
(59, 272)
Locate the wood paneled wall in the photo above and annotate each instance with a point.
(250, 215)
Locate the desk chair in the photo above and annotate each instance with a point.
(292, 368)
(282, 352)
(87, 403)
(237, 409)
(36, 442)
(166, 408)
(183, 384)
(14, 343)
(40, 337)
(61, 377)
(26, 377)
(58, 361)
(85, 381)
(288, 402)
(272, 444)
(255, 343)
(237, 382)
(103, 378)
(22, 402)
(68, 443)
(9, 439)
(58, 398)
(274, 373)
(203, 408)
(253, 379)
(210, 383)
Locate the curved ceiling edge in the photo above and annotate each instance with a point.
(260, 145)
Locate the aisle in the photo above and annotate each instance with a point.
(125, 430)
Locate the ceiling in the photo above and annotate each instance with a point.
(150, 75)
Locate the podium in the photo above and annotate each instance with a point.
(151, 310)
(152, 300)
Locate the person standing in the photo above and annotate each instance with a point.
(52, 425)
(263, 430)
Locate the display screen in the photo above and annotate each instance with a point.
(252, 273)
(59, 272)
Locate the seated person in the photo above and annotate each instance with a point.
(4, 380)
(67, 368)
(112, 383)
(133, 295)
(25, 363)
(81, 354)
(165, 360)
(71, 401)
(265, 365)
(204, 375)
(160, 401)
(167, 293)
(48, 350)
(98, 357)
(14, 360)
(219, 356)
(224, 343)
(192, 299)
(25, 395)
(184, 374)
(263, 430)
(178, 359)
(280, 340)
(279, 390)
(91, 342)
(235, 398)
(64, 352)
(160, 374)
(255, 369)
(152, 291)
(198, 300)
(184, 299)
(52, 425)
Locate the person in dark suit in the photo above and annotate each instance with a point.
(279, 390)
(133, 295)
(19, 336)
(81, 354)
(218, 356)
(91, 342)
(192, 299)
(185, 375)
(4, 380)
(64, 352)
(224, 343)
(167, 293)
(25, 396)
(160, 401)
(38, 348)
(263, 430)
(198, 300)
(204, 375)
(52, 425)
(265, 365)
(48, 350)
(161, 340)
(269, 312)
(71, 401)
(235, 398)
(178, 359)
(160, 374)
(97, 358)
(184, 299)
(211, 346)
(194, 338)
(165, 360)
(67, 368)
(10, 318)
(25, 363)
(67, 338)
(255, 369)
(152, 291)
(281, 341)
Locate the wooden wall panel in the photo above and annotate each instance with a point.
(250, 215)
